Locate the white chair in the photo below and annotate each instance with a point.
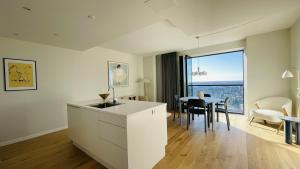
(271, 108)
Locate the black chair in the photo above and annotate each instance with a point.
(222, 107)
(196, 106)
(132, 97)
(176, 106)
(207, 95)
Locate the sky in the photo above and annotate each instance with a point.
(220, 67)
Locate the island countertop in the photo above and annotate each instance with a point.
(132, 135)
(126, 108)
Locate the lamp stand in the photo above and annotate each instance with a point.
(298, 94)
(145, 89)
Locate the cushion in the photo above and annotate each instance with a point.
(268, 114)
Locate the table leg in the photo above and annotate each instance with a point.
(298, 133)
(208, 116)
(187, 120)
(180, 112)
(213, 115)
(288, 132)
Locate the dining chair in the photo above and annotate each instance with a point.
(208, 113)
(207, 95)
(132, 97)
(196, 106)
(222, 107)
(176, 106)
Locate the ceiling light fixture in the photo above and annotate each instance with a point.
(198, 37)
(198, 72)
(92, 17)
(27, 8)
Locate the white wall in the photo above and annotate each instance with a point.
(63, 75)
(295, 60)
(149, 67)
(268, 55)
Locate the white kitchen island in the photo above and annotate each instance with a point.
(132, 135)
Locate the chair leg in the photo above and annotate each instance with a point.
(252, 118)
(187, 120)
(211, 117)
(228, 121)
(279, 128)
(174, 115)
(205, 122)
(208, 120)
(193, 116)
(265, 121)
(211, 113)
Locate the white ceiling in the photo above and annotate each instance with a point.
(143, 27)
(69, 20)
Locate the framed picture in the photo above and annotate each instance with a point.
(19, 74)
(118, 74)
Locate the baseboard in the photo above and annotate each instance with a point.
(4, 143)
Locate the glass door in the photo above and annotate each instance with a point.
(220, 75)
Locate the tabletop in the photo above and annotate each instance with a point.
(207, 99)
(289, 118)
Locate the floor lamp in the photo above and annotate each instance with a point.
(287, 74)
(144, 81)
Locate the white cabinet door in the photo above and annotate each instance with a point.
(146, 135)
(82, 127)
(113, 134)
(75, 124)
(160, 121)
(110, 155)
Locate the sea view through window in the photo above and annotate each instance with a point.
(220, 75)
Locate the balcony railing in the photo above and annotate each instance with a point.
(235, 92)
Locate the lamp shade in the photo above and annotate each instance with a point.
(287, 74)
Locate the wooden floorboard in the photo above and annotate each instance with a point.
(255, 147)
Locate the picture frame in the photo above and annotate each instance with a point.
(19, 74)
(118, 74)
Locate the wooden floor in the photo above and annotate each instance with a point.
(253, 147)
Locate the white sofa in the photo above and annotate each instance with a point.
(271, 108)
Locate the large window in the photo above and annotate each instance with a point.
(221, 75)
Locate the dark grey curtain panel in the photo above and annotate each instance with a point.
(169, 78)
(158, 79)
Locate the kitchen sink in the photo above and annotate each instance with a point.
(105, 105)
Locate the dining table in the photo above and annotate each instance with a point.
(210, 102)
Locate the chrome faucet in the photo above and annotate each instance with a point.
(114, 96)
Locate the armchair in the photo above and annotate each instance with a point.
(271, 108)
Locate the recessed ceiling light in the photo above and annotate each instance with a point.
(27, 8)
(92, 17)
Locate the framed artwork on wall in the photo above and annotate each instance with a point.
(118, 74)
(19, 74)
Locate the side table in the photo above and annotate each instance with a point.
(288, 121)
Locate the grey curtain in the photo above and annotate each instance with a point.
(169, 78)
(158, 79)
